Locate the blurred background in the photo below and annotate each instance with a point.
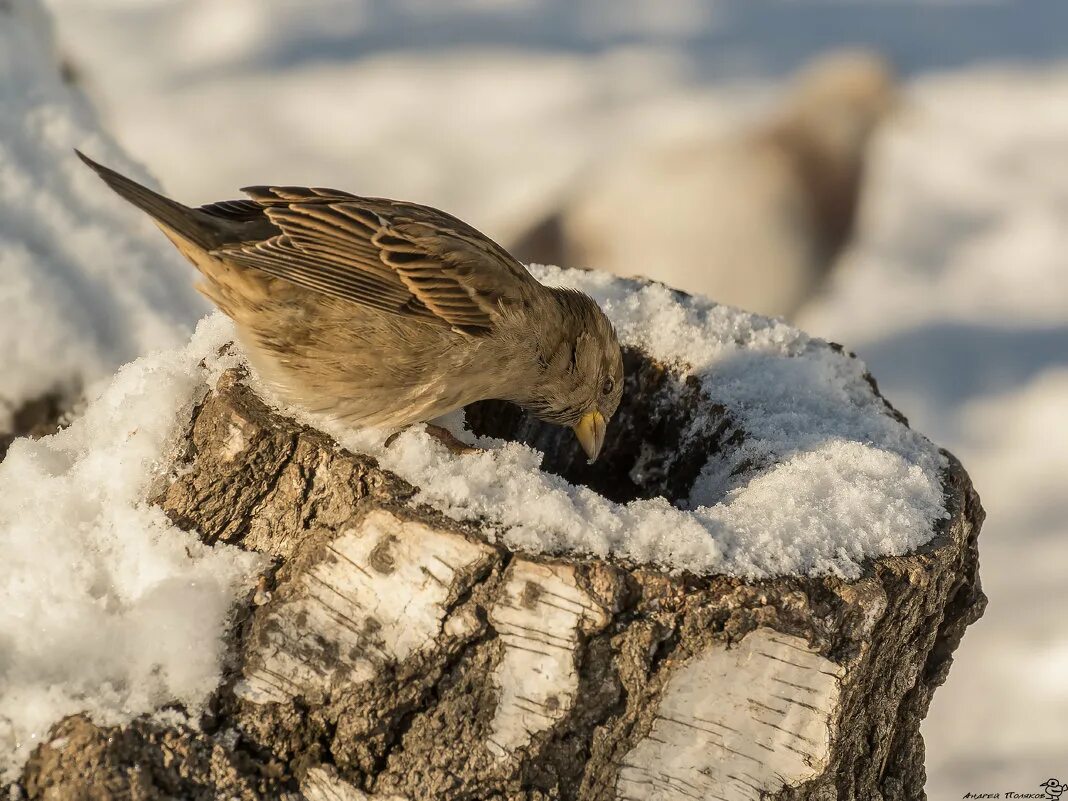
(907, 197)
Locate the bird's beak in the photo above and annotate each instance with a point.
(590, 432)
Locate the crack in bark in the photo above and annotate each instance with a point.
(488, 579)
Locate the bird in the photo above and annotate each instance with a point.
(382, 313)
(755, 218)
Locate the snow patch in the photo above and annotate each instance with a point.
(108, 608)
(86, 282)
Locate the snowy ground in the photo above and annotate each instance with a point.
(955, 295)
(80, 293)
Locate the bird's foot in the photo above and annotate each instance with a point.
(444, 436)
(449, 440)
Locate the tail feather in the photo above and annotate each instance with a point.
(183, 220)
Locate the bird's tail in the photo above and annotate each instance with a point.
(183, 220)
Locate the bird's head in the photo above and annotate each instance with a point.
(581, 372)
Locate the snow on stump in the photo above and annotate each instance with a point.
(753, 594)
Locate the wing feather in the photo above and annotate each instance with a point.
(402, 258)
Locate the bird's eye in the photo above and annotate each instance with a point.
(608, 386)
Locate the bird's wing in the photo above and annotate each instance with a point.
(395, 257)
(237, 210)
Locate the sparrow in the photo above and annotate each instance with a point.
(381, 313)
(755, 219)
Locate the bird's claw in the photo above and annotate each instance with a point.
(454, 446)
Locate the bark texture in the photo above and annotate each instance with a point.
(390, 653)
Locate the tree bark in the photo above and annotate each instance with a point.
(391, 653)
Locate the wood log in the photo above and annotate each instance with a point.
(394, 654)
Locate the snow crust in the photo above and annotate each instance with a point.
(107, 607)
(84, 285)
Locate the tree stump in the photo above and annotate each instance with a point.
(392, 653)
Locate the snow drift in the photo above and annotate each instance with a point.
(108, 608)
(84, 286)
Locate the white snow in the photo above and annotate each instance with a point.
(84, 285)
(860, 484)
(107, 607)
(103, 622)
(129, 613)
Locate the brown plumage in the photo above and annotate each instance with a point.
(383, 313)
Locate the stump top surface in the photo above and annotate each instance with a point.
(743, 446)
